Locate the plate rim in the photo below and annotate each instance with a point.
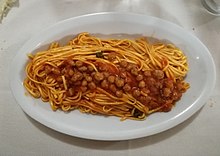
(131, 135)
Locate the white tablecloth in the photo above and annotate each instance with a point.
(20, 135)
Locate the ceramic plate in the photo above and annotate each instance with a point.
(201, 77)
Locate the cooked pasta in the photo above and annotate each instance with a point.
(126, 78)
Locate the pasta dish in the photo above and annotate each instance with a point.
(130, 79)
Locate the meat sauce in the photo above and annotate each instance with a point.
(151, 88)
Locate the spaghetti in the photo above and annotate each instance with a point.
(115, 77)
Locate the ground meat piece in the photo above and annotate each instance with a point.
(111, 79)
(83, 88)
(70, 92)
(106, 74)
(127, 87)
(166, 92)
(92, 85)
(111, 56)
(134, 71)
(47, 69)
(159, 74)
(176, 95)
(70, 72)
(141, 84)
(119, 93)
(64, 71)
(99, 76)
(79, 63)
(147, 73)
(124, 63)
(169, 83)
(104, 84)
(158, 84)
(93, 74)
(180, 87)
(83, 68)
(70, 62)
(145, 99)
(150, 81)
(88, 78)
(55, 71)
(112, 87)
(153, 104)
(119, 82)
(167, 107)
(129, 67)
(102, 68)
(136, 93)
(139, 77)
(84, 83)
(77, 76)
(90, 68)
(145, 90)
(154, 90)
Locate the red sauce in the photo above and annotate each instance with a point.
(160, 90)
(107, 67)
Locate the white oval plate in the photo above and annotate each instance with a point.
(201, 77)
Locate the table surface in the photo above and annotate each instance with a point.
(21, 135)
